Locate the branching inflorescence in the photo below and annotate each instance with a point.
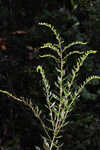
(59, 103)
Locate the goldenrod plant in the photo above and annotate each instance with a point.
(60, 100)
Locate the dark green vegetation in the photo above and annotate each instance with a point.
(19, 32)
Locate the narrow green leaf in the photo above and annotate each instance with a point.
(85, 83)
(51, 46)
(57, 35)
(71, 53)
(74, 43)
(49, 55)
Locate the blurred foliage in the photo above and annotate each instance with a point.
(20, 38)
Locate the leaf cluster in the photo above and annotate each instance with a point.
(59, 102)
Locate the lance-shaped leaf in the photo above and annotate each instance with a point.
(71, 53)
(77, 93)
(80, 62)
(74, 43)
(45, 144)
(57, 35)
(45, 82)
(57, 85)
(12, 96)
(51, 56)
(84, 84)
(51, 46)
(55, 96)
